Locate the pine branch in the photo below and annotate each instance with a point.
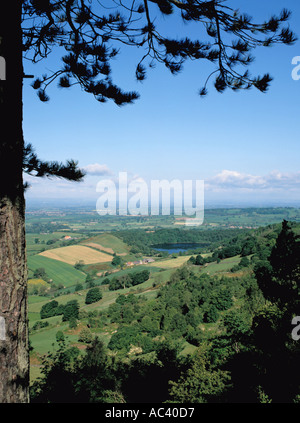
(33, 166)
(91, 40)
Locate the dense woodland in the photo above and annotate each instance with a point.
(144, 241)
(245, 354)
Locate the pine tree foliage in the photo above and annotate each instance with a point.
(279, 277)
(33, 166)
(284, 257)
(91, 34)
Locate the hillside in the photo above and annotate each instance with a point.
(183, 300)
(57, 271)
(108, 243)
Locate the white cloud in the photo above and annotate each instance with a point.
(229, 179)
(97, 169)
(228, 184)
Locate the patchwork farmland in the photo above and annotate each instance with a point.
(59, 263)
(57, 271)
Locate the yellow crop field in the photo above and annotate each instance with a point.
(34, 282)
(74, 253)
(171, 263)
(99, 247)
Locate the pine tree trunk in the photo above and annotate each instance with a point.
(14, 356)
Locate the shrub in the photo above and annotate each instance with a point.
(72, 323)
(122, 339)
(78, 287)
(223, 299)
(93, 295)
(85, 336)
(212, 315)
(59, 336)
(40, 325)
(50, 309)
(70, 310)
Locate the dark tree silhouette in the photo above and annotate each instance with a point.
(285, 259)
(279, 277)
(89, 34)
(276, 353)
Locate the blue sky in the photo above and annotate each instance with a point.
(244, 145)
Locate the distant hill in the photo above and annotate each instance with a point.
(108, 243)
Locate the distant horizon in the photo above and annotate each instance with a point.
(75, 202)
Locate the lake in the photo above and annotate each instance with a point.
(177, 248)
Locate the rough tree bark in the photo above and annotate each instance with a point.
(14, 356)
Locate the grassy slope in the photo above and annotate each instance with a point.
(171, 263)
(43, 339)
(161, 271)
(224, 265)
(110, 241)
(33, 248)
(109, 297)
(59, 272)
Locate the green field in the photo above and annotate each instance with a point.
(109, 241)
(171, 263)
(44, 340)
(224, 265)
(86, 220)
(59, 272)
(37, 242)
(85, 234)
